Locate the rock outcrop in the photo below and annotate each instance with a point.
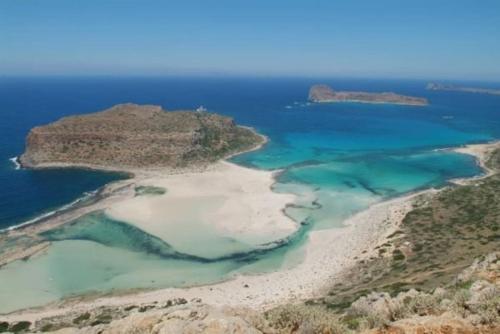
(470, 304)
(172, 317)
(135, 136)
(325, 94)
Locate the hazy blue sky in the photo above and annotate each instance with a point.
(370, 38)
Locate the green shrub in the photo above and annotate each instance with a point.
(81, 317)
(488, 307)
(313, 319)
(4, 325)
(373, 320)
(47, 328)
(20, 327)
(397, 255)
(459, 303)
(102, 319)
(423, 304)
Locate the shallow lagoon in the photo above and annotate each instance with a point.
(98, 254)
(338, 158)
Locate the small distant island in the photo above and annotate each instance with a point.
(325, 94)
(137, 136)
(456, 88)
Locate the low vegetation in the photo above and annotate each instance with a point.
(440, 237)
(149, 190)
(473, 296)
(129, 136)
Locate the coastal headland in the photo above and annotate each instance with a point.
(130, 136)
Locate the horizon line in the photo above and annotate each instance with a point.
(240, 76)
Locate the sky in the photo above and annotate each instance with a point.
(458, 39)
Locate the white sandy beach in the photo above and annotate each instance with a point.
(481, 152)
(327, 253)
(227, 201)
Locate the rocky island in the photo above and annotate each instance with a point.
(137, 136)
(456, 88)
(325, 94)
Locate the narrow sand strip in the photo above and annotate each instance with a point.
(481, 152)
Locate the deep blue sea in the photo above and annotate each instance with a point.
(359, 139)
(342, 156)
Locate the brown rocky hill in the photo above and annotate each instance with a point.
(137, 136)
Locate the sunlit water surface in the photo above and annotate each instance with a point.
(338, 159)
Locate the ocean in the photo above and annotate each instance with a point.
(345, 156)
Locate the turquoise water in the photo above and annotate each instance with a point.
(338, 159)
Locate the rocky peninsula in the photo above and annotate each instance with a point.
(456, 88)
(129, 136)
(325, 94)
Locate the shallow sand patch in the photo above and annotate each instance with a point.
(223, 210)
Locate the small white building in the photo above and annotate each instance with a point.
(201, 109)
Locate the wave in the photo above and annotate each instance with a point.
(15, 161)
(86, 196)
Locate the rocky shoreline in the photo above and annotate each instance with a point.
(130, 137)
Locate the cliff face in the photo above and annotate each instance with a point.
(324, 93)
(134, 136)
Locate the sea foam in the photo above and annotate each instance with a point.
(45, 215)
(15, 161)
